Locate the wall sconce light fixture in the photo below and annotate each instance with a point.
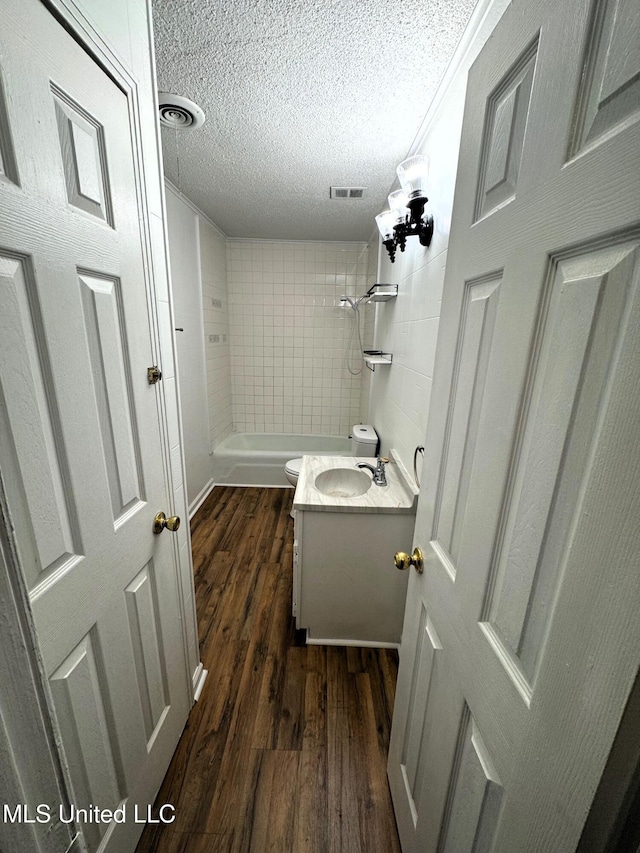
(396, 224)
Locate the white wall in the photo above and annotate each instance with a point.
(215, 300)
(288, 335)
(198, 255)
(184, 256)
(408, 326)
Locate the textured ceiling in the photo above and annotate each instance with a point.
(299, 95)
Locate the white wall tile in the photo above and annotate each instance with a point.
(427, 297)
(288, 333)
(416, 395)
(421, 345)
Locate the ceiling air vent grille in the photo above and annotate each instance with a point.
(347, 192)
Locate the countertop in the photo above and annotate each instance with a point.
(398, 496)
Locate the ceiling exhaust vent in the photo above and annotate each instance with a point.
(179, 112)
(347, 192)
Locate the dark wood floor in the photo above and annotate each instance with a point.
(286, 749)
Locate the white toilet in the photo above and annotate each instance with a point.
(364, 442)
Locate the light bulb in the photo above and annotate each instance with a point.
(413, 174)
(385, 222)
(398, 204)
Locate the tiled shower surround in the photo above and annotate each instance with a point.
(288, 335)
(368, 322)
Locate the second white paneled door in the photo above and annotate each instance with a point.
(522, 639)
(81, 450)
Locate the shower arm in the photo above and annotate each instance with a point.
(355, 304)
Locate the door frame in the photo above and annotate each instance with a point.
(29, 732)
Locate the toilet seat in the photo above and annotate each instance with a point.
(293, 467)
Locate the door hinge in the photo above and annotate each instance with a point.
(153, 374)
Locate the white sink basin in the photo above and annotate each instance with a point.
(343, 482)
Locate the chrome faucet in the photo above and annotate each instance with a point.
(379, 475)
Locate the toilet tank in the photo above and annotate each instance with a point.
(364, 440)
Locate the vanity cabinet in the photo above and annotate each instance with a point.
(346, 590)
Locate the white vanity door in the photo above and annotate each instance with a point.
(350, 592)
(522, 638)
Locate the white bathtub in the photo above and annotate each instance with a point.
(258, 458)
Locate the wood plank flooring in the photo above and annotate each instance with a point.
(286, 750)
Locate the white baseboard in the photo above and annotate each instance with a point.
(366, 644)
(199, 678)
(255, 485)
(200, 499)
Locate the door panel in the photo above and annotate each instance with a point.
(501, 153)
(8, 168)
(86, 719)
(477, 320)
(81, 451)
(475, 795)
(610, 92)
(531, 463)
(416, 738)
(83, 156)
(47, 515)
(111, 368)
(151, 670)
(581, 313)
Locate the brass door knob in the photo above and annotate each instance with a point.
(403, 561)
(161, 521)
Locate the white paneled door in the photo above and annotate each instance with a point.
(522, 637)
(81, 447)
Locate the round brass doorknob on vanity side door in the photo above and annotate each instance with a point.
(161, 521)
(403, 561)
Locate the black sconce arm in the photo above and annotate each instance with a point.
(414, 225)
